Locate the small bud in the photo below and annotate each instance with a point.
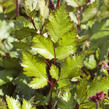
(99, 96)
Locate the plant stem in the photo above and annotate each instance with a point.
(54, 56)
(22, 3)
(97, 105)
(51, 89)
(8, 54)
(79, 17)
(32, 21)
(89, 1)
(17, 8)
(58, 3)
(77, 106)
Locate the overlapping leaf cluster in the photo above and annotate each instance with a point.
(53, 57)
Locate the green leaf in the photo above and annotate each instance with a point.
(9, 63)
(81, 91)
(66, 96)
(87, 105)
(10, 7)
(38, 83)
(31, 7)
(63, 52)
(44, 10)
(43, 46)
(76, 3)
(106, 106)
(67, 105)
(5, 29)
(22, 87)
(66, 45)
(21, 45)
(90, 62)
(6, 76)
(33, 66)
(27, 105)
(12, 103)
(100, 32)
(54, 72)
(63, 83)
(72, 67)
(59, 24)
(73, 3)
(98, 85)
(2, 104)
(89, 12)
(23, 33)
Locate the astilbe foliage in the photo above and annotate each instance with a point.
(54, 54)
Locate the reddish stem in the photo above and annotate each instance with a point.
(77, 106)
(17, 8)
(32, 21)
(5, 48)
(54, 59)
(47, 62)
(22, 3)
(88, 1)
(51, 89)
(58, 3)
(79, 17)
(97, 107)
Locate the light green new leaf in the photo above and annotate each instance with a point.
(63, 52)
(38, 83)
(76, 3)
(98, 85)
(26, 105)
(15, 104)
(44, 10)
(43, 46)
(90, 63)
(63, 83)
(72, 67)
(66, 95)
(54, 72)
(66, 45)
(12, 103)
(59, 24)
(73, 3)
(5, 29)
(70, 104)
(69, 39)
(89, 12)
(33, 66)
(31, 5)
